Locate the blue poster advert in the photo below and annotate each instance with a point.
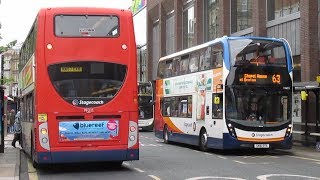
(88, 130)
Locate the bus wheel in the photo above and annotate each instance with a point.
(166, 134)
(203, 140)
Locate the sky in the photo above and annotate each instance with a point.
(17, 16)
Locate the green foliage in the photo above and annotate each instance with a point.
(6, 80)
(8, 46)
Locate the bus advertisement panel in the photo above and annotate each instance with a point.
(78, 95)
(230, 93)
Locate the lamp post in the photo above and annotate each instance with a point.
(2, 107)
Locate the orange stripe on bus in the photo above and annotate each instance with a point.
(170, 124)
(260, 139)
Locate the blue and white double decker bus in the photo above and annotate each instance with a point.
(229, 93)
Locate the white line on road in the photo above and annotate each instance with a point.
(310, 159)
(126, 164)
(222, 157)
(139, 170)
(154, 177)
(240, 162)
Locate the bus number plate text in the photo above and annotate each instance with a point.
(261, 145)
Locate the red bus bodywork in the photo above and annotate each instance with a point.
(51, 110)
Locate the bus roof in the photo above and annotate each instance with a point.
(224, 38)
(84, 10)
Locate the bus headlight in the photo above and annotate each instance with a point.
(232, 132)
(288, 131)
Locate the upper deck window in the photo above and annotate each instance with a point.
(244, 52)
(86, 26)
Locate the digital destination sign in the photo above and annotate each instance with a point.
(260, 78)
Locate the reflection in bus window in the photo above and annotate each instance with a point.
(168, 69)
(176, 67)
(184, 64)
(194, 62)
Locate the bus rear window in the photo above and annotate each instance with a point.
(90, 81)
(86, 26)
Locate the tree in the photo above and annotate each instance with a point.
(8, 46)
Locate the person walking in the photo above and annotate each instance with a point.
(11, 120)
(17, 130)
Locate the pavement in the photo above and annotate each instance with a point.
(10, 159)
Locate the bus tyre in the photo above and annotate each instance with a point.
(166, 134)
(203, 140)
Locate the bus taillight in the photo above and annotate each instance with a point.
(43, 136)
(133, 134)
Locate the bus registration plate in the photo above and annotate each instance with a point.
(261, 145)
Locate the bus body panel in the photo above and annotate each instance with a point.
(120, 109)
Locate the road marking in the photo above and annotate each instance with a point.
(32, 172)
(240, 162)
(213, 177)
(207, 153)
(126, 164)
(298, 157)
(222, 157)
(266, 177)
(139, 170)
(154, 177)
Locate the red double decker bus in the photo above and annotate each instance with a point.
(78, 87)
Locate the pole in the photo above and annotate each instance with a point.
(2, 107)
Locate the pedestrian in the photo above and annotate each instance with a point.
(11, 120)
(17, 130)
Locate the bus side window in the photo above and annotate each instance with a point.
(184, 64)
(183, 106)
(217, 109)
(176, 67)
(217, 58)
(168, 69)
(189, 106)
(165, 104)
(206, 61)
(194, 62)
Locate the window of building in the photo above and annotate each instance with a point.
(211, 11)
(280, 8)
(188, 26)
(170, 33)
(241, 15)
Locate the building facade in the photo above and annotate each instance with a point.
(174, 25)
(11, 72)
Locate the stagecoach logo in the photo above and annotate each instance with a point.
(77, 102)
(253, 134)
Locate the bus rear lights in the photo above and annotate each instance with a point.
(132, 128)
(44, 131)
(124, 47)
(49, 46)
(44, 140)
(132, 138)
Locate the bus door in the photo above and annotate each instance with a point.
(214, 115)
